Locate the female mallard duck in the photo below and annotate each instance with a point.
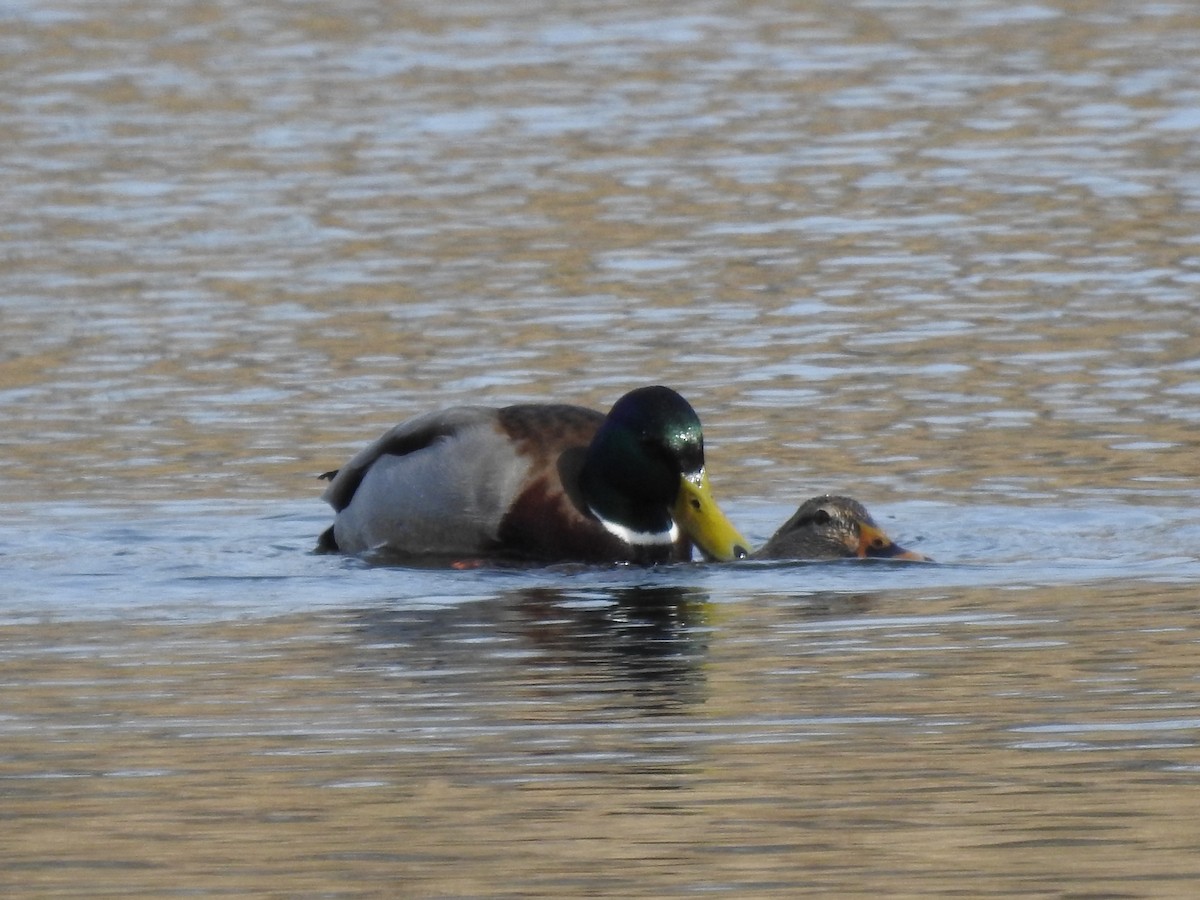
(831, 527)
(537, 483)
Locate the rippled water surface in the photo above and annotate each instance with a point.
(938, 255)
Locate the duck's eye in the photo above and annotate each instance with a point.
(821, 517)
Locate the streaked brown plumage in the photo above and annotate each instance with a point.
(832, 527)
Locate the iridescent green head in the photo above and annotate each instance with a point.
(644, 476)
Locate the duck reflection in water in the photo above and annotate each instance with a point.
(639, 648)
(833, 527)
(650, 638)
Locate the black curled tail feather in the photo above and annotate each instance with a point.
(327, 543)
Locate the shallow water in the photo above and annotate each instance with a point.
(194, 698)
(940, 256)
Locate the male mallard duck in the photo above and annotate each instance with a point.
(536, 482)
(831, 527)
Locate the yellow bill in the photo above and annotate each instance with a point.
(697, 513)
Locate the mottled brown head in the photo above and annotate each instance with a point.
(832, 527)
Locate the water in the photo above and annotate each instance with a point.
(940, 256)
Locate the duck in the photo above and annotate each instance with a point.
(832, 527)
(535, 483)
